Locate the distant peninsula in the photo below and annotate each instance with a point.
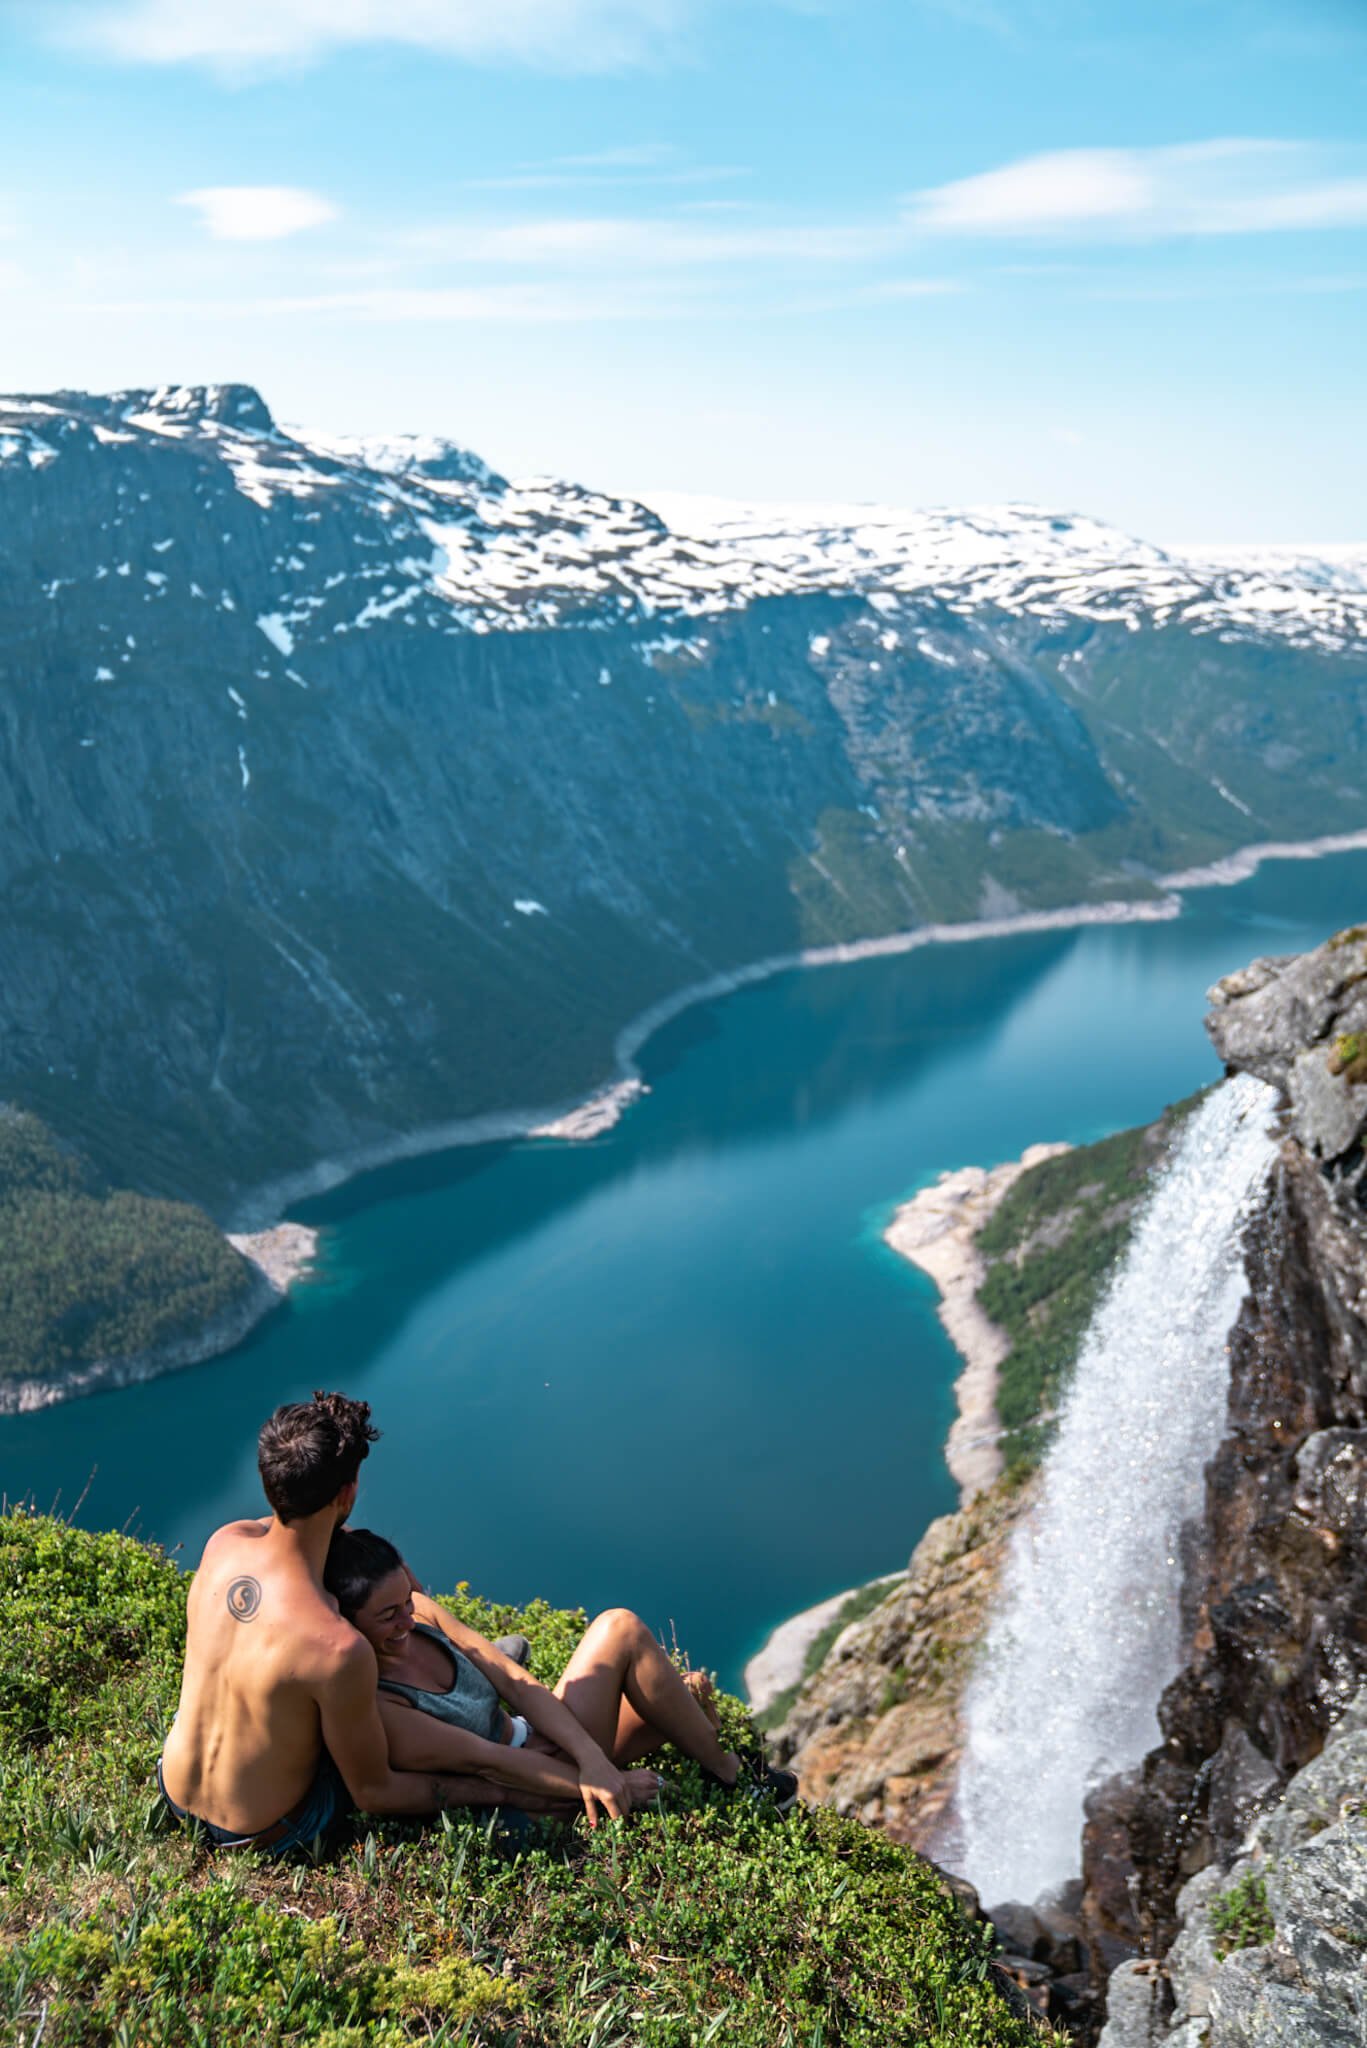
(100, 1286)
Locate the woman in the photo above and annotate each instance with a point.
(441, 1688)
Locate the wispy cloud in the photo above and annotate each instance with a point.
(579, 242)
(1226, 186)
(246, 36)
(631, 156)
(258, 213)
(627, 166)
(521, 305)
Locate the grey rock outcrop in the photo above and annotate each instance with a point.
(1295, 1023)
(1300, 1982)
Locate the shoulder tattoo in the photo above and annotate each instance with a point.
(244, 1598)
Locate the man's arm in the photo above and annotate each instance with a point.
(355, 1738)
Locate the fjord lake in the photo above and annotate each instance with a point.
(676, 1368)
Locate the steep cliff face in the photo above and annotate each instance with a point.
(876, 1731)
(349, 788)
(1276, 1582)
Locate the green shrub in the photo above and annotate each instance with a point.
(79, 1610)
(1239, 1918)
(212, 1965)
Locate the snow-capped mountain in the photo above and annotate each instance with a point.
(347, 786)
(1052, 565)
(542, 552)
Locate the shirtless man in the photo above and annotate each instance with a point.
(278, 1732)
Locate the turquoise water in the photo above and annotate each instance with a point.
(677, 1369)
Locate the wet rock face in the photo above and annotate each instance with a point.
(1276, 1595)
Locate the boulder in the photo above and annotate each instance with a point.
(1256, 2003)
(1137, 2006)
(1192, 1961)
(1315, 1796)
(1020, 1930)
(1327, 1110)
(1318, 1897)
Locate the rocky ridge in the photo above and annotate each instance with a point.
(1268, 1952)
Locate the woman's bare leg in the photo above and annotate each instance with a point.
(620, 1685)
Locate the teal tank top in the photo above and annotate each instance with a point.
(470, 1702)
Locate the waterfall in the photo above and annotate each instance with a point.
(1086, 1632)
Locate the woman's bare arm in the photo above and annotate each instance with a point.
(420, 1742)
(526, 1695)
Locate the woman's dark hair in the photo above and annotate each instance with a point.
(309, 1450)
(357, 1560)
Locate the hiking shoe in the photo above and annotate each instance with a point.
(516, 1647)
(758, 1779)
(763, 1780)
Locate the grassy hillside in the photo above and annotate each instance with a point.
(713, 1922)
(90, 1272)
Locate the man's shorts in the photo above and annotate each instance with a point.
(310, 1823)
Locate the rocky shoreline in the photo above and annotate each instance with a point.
(780, 1664)
(589, 1116)
(936, 1230)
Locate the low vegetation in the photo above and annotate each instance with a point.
(91, 1272)
(1050, 1249)
(712, 1921)
(1348, 1056)
(1239, 1918)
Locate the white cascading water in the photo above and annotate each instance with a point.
(1087, 1629)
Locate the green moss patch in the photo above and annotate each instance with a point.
(1240, 1918)
(1348, 1056)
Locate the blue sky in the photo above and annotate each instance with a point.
(1088, 253)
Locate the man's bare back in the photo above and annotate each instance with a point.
(264, 1647)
